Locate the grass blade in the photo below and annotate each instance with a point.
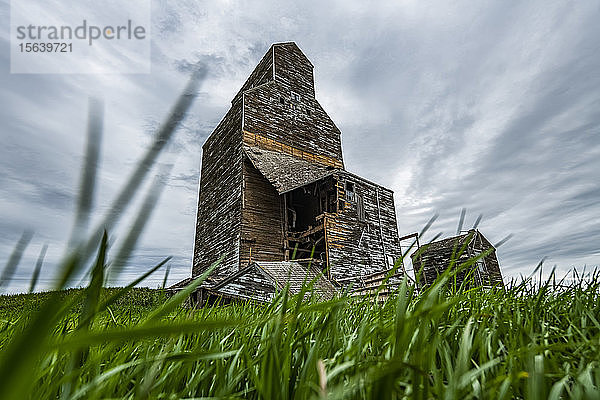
(14, 259)
(38, 268)
(89, 171)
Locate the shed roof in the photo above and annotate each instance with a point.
(182, 284)
(283, 171)
(458, 241)
(297, 275)
(450, 242)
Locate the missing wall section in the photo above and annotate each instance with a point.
(306, 209)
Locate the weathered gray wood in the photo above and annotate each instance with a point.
(360, 248)
(435, 258)
(276, 157)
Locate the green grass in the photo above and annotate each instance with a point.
(138, 301)
(525, 342)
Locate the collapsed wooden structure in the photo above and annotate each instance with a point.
(435, 258)
(276, 200)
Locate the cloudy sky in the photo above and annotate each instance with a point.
(492, 106)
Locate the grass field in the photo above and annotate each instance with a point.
(528, 341)
(523, 342)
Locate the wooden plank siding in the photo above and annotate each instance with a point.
(360, 248)
(302, 124)
(262, 73)
(250, 283)
(262, 219)
(220, 198)
(435, 258)
(285, 109)
(262, 142)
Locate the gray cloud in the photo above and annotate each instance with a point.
(491, 106)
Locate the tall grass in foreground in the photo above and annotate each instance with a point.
(523, 342)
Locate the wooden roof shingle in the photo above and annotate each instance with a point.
(283, 171)
(297, 275)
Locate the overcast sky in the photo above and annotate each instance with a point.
(492, 106)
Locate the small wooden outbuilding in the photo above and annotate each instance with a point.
(434, 258)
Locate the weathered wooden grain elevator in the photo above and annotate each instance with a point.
(276, 200)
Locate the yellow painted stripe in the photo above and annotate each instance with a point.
(265, 143)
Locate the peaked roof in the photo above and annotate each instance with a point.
(291, 46)
(283, 171)
(297, 275)
(264, 71)
(182, 284)
(450, 242)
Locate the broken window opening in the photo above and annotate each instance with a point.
(305, 227)
(360, 209)
(350, 191)
(391, 261)
(303, 208)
